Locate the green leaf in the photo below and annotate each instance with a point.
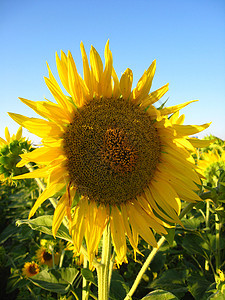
(118, 288)
(44, 224)
(158, 262)
(8, 232)
(89, 276)
(170, 236)
(15, 281)
(217, 296)
(192, 224)
(57, 281)
(173, 280)
(194, 243)
(160, 295)
(197, 285)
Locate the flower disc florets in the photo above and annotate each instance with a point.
(112, 149)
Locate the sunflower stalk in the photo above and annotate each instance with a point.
(144, 268)
(103, 271)
(85, 292)
(217, 227)
(152, 255)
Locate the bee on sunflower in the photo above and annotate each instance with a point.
(129, 162)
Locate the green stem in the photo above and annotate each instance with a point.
(217, 227)
(207, 229)
(85, 292)
(111, 266)
(61, 258)
(103, 269)
(144, 268)
(152, 255)
(207, 215)
(32, 293)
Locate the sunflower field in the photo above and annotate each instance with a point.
(188, 265)
(120, 200)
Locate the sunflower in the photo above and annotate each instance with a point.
(210, 164)
(30, 269)
(10, 149)
(44, 257)
(127, 162)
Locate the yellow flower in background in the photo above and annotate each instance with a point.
(10, 149)
(9, 139)
(44, 257)
(30, 269)
(78, 258)
(210, 164)
(129, 162)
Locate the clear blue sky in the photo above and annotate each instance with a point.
(187, 38)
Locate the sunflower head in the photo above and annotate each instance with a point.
(10, 149)
(217, 145)
(30, 269)
(119, 159)
(44, 257)
(212, 164)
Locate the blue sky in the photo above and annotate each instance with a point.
(187, 39)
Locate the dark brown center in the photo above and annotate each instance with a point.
(112, 150)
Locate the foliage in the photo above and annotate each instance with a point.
(189, 265)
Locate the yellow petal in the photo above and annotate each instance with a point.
(48, 192)
(140, 224)
(40, 155)
(58, 94)
(175, 108)
(7, 135)
(164, 202)
(107, 81)
(170, 195)
(118, 234)
(19, 133)
(200, 143)
(186, 169)
(185, 143)
(43, 172)
(150, 219)
(78, 223)
(60, 212)
(116, 86)
(155, 96)
(63, 70)
(144, 84)
(172, 173)
(180, 120)
(97, 219)
(57, 174)
(126, 81)
(96, 70)
(2, 141)
(133, 242)
(86, 70)
(74, 82)
(47, 110)
(190, 129)
(36, 126)
(154, 204)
